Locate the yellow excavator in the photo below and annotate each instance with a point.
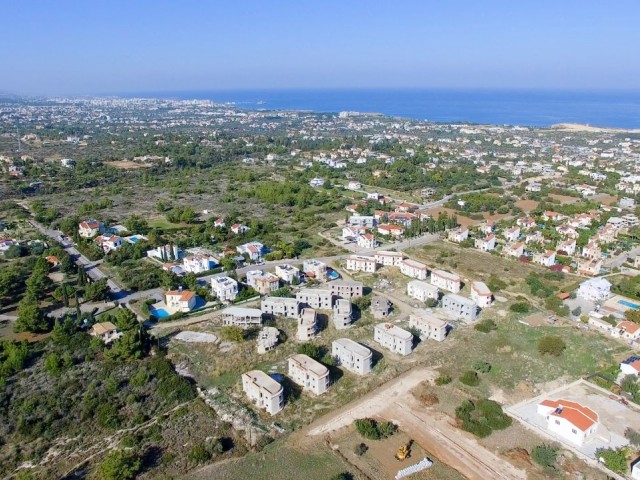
(404, 451)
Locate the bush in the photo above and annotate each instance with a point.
(232, 334)
(615, 460)
(633, 436)
(374, 430)
(119, 465)
(544, 455)
(482, 418)
(310, 350)
(520, 307)
(470, 378)
(443, 380)
(482, 367)
(360, 449)
(552, 345)
(485, 326)
(199, 454)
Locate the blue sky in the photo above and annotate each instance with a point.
(104, 47)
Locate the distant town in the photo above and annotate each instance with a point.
(189, 282)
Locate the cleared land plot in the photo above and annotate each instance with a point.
(614, 417)
(564, 198)
(128, 165)
(526, 205)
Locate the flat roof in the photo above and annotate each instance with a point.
(424, 316)
(460, 298)
(241, 311)
(414, 263)
(354, 347)
(264, 381)
(309, 364)
(395, 331)
(348, 283)
(422, 284)
(481, 288)
(445, 274)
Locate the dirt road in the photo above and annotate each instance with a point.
(433, 431)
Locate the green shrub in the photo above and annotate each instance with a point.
(482, 417)
(360, 449)
(486, 326)
(544, 455)
(443, 380)
(470, 378)
(520, 307)
(374, 430)
(482, 367)
(552, 345)
(615, 460)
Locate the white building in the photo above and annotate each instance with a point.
(342, 314)
(366, 241)
(388, 258)
(346, 288)
(568, 246)
(280, 307)
(446, 281)
(252, 249)
(319, 298)
(486, 244)
(630, 366)
(224, 288)
(241, 317)
(368, 221)
(569, 420)
(459, 234)
(263, 391)
(263, 282)
(481, 294)
(595, 289)
(90, 228)
(512, 234)
(180, 300)
(109, 243)
(460, 307)
(351, 355)
(307, 324)
(315, 269)
(414, 269)
(429, 325)
(359, 263)
(288, 273)
(546, 259)
(393, 338)
(422, 290)
(311, 375)
(267, 339)
(198, 263)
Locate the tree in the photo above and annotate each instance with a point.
(136, 224)
(544, 455)
(130, 345)
(485, 326)
(520, 307)
(482, 367)
(126, 320)
(30, 317)
(98, 290)
(120, 465)
(552, 345)
(310, 350)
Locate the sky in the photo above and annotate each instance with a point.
(116, 46)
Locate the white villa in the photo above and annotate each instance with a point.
(180, 300)
(287, 273)
(595, 289)
(486, 244)
(394, 338)
(351, 355)
(569, 420)
(342, 314)
(225, 288)
(90, 228)
(263, 391)
(460, 307)
(311, 375)
(315, 269)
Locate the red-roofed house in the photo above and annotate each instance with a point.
(631, 366)
(628, 330)
(569, 420)
(180, 300)
(366, 241)
(90, 228)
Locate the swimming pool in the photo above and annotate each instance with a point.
(134, 239)
(333, 274)
(159, 312)
(628, 304)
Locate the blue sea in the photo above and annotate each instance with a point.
(619, 109)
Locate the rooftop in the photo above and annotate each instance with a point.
(394, 331)
(307, 363)
(264, 381)
(353, 347)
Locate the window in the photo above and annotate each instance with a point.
(574, 431)
(557, 422)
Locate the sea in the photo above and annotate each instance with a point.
(541, 108)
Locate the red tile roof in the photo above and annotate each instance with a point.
(579, 416)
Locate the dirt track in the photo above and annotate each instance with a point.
(432, 431)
